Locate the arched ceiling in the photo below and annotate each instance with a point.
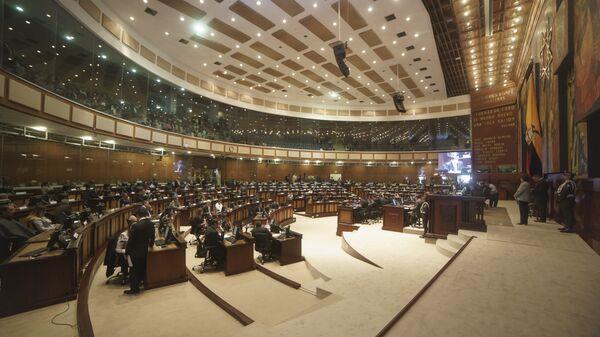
(282, 48)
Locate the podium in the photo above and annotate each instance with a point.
(393, 218)
(347, 218)
(449, 213)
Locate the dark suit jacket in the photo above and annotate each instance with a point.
(540, 191)
(212, 237)
(141, 237)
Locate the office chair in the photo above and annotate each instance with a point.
(262, 245)
(211, 260)
(112, 260)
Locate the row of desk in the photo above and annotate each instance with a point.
(448, 214)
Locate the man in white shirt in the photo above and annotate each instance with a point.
(218, 206)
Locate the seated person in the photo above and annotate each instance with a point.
(263, 239)
(125, 200)
(274, 226)
(12, 233)
(37, 220)
(218, 206)
(62, 211)
(226, 224)
(122, 245)
(213, 241)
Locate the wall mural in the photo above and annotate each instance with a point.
(561, 34)
(587, 62)
(578, 135)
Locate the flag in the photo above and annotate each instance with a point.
(533, 133)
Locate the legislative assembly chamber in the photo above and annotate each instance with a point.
(299, 168)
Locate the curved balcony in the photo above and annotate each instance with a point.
(78, 80)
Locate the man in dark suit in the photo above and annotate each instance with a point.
(141, 237)
(540, 196)
(213, 240)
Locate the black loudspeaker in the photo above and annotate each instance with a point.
(399, 103)
(339, 51)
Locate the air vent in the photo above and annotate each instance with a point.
(411, 47)
(422, 69)
(427, 77)
(416, 59)
(390, 17)
(436, 90)
(218, 63)
(401, 34)
(150, 11)
(184, 41)
(432, 84)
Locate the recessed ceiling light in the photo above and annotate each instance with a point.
(199, 28)
(322, 49)
(212, 33)
(258, 3)
(315, 5)
(363, 51)
(181, 18)
(416, 35)
(258, 34)
(39, 128)
(382, 27)
(350, 38)
(167, 33)
(232, 19)
(237, 46)
(403, 54)
(334, 23)
(284, 21)
(201, 1)
(408, 18)
(131, 18)
(370, 9)
(422, 48)
(394, 42)
(259, 56)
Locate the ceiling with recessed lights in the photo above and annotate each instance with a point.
(282, 49)
(490, 41)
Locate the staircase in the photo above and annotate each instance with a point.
(454, 242)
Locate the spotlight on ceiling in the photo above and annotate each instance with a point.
(339, 51)
(399, 103)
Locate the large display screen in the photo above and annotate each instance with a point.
(455, 162)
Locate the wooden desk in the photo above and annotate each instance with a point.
(347, 217)
(322, 208)
(289, 249)
(449, 213)
(30, 283)
(393, 218)
(166, 265)
(239, 257)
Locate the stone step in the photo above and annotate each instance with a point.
(455, 241)
(466, 234)
(413, 230)
(445, 248)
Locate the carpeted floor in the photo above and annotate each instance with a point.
(497, 216)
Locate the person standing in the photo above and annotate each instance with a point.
(424, 210)
(493, 195)
(565, 195)
(522, 195)
(141, 238)
(540, 196)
